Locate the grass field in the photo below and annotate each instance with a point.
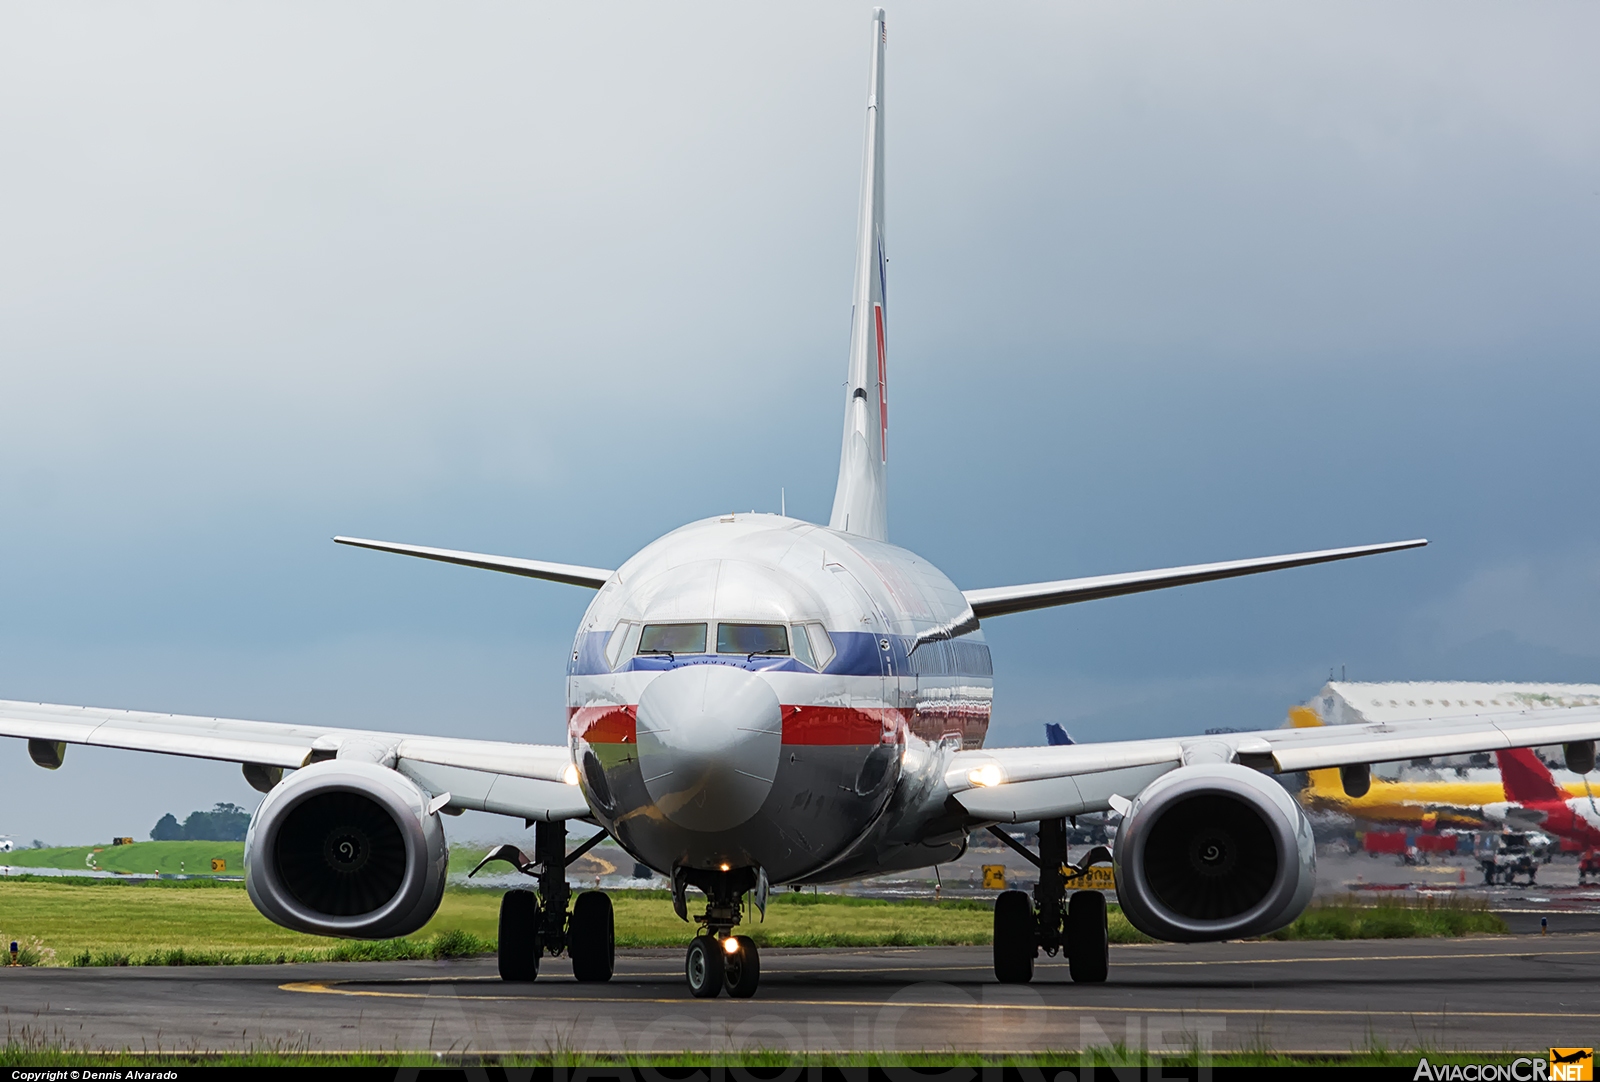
(112, 922)
(194, 858)
(142, 858)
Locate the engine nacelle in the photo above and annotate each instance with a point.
(1214, 851)
(346, 848)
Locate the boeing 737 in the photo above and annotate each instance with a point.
(755, 701)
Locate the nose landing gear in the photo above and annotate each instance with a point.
(717, 958)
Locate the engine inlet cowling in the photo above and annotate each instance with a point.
(346, 848)
(1216, 851)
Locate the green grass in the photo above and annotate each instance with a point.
(70, 921)
(143, 858)
(1393, 918)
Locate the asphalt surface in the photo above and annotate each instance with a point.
(1482, 994)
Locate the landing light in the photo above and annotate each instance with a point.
(724, 867)
(985, 775)
(730, 945)
(570, 775)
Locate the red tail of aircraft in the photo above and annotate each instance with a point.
(1526, 779)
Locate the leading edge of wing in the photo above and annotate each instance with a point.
(1023, 784)
(535, 781)
(571, 574)
(1003, 600)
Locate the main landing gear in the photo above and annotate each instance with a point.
(1051, 920)
(717, 958)
(534, 923)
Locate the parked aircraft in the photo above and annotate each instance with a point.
(1455, 802)
(754, 701)
(1533, 801)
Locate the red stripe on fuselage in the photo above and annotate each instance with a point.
(603, 724)
(813, 725)
(842, 725)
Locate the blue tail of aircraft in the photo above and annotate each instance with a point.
(1055, 735)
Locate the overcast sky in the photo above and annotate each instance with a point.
(1170, 282)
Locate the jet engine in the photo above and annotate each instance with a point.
(1213, 851)
(346, 848)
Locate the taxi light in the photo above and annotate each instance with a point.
(985, 775)
(730, 945)
(570, 775)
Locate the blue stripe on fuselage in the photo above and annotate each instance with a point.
(859, 653)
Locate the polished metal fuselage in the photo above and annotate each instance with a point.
(708, 761)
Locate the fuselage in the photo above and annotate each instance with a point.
(1576, 819)
(756, 691)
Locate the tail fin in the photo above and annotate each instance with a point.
(1525, 778)
(860, 502)
(1055, 735)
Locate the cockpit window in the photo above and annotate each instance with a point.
(752, 639)
(673, 639)
(802, 647)
(821, 645)
(619, 646)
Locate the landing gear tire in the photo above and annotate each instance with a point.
(703, 967)
(520, 943)
(1088, 939)
(1016, 937)
(741, 970)
(591, 938)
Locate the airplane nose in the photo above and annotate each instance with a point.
(709, 738)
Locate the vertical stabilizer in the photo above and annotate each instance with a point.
(1525, 778)
(860, 503)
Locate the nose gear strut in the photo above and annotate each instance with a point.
(717, 958)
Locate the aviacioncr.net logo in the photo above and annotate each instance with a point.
(1522, 1069)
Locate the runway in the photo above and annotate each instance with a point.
(1482, 994)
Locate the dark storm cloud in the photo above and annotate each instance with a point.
(1169, 283)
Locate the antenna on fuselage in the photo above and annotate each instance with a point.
(783, 503)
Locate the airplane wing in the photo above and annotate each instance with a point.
(1017, 785)
(1001, 600)
(533, 781)
(571, 574)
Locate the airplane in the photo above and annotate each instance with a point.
(1448, 803)
(1535, 802)
(756, 701)
(1455, 803)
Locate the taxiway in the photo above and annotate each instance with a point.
(1489, 994)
